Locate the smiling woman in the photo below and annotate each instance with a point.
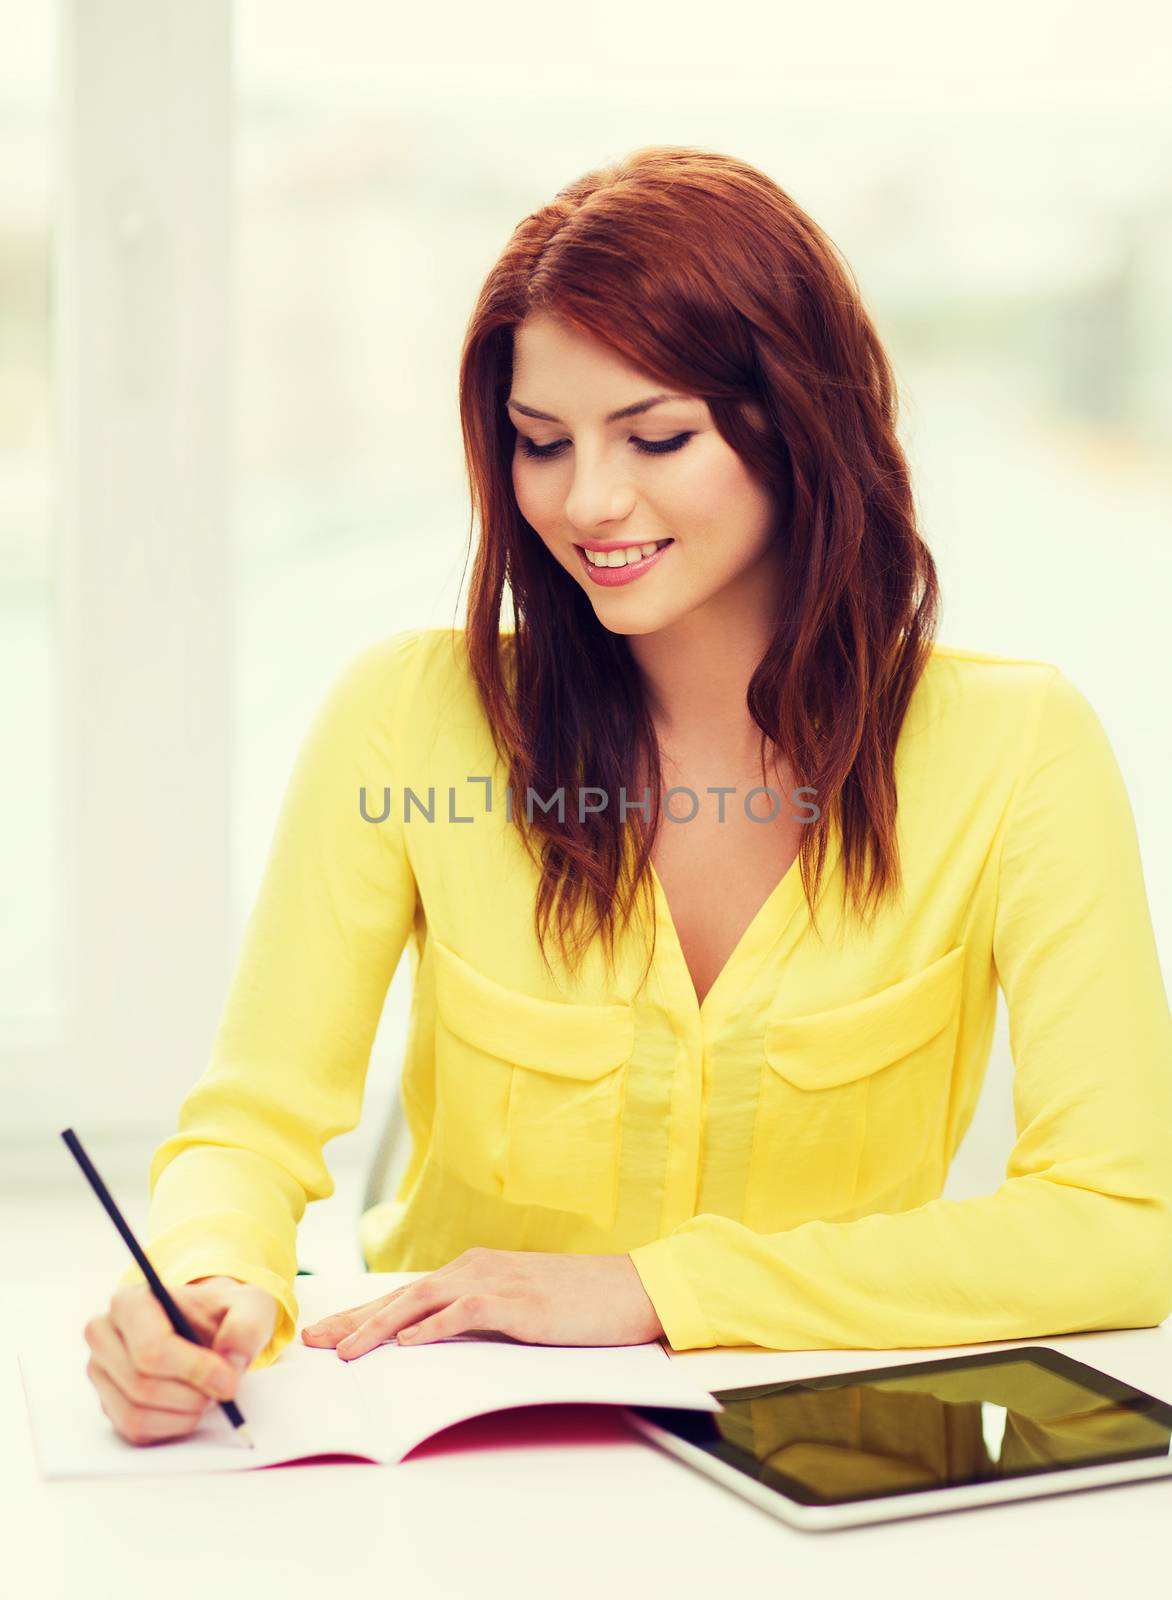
(689, 459)
(724, 1119)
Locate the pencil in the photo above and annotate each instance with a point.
(178, 1321)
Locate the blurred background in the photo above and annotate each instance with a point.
(239, 243)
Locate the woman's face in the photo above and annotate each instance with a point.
(662, 474)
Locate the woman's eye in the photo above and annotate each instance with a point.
(647, 447)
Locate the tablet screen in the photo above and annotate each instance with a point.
(927, 1425)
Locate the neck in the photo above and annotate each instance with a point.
(696, 678)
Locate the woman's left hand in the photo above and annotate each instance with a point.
(532, 1296)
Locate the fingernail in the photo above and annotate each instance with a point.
(238, 1360)
(408, 1333)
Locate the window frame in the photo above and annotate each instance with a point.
(141, 304)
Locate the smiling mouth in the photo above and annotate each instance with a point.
(624, 555)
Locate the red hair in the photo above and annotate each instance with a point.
(697, 269)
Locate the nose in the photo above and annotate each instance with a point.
(599, 494)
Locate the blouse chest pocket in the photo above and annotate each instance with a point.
(853, 1099)
(529, 1093)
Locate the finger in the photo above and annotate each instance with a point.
(137, 1424)
(329, 1330)
(418, 1300)
(338, 1324)
(109, 1355)
(246, 1327)
(203, 1304)
(155, 1349)
(471, 1312)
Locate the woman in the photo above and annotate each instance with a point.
(659, 1081)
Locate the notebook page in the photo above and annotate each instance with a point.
(406, 1394)
(295, 1408)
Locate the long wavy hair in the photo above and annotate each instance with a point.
(699, 270)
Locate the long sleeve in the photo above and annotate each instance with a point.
(1079, 1235)
(289, 1058)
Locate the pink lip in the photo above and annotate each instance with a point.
(611, 577)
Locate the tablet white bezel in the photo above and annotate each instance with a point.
(894, 1508)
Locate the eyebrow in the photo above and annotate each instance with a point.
(634, 410)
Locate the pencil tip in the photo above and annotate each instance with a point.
(245, 1437)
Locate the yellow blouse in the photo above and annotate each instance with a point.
(772, 1159)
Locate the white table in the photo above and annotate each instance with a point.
(528, 1514)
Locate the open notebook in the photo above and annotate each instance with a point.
(310, 1402)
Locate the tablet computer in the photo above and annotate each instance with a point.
(922, 1438)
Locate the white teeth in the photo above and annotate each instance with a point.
(620, 558)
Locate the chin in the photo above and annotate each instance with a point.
(633, 625)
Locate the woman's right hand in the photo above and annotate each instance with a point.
(153, 1384)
